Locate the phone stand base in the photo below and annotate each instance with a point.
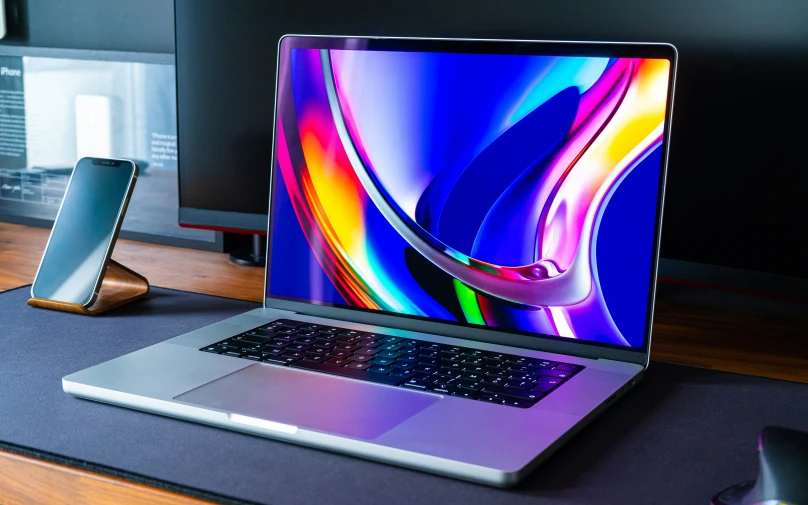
(119, 287)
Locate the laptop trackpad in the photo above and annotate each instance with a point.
(311, 400)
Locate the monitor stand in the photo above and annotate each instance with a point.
(253, 256)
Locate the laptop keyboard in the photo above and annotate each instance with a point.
(486, 376)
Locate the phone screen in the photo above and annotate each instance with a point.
(83, 230)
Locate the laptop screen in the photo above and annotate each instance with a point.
(513, 191)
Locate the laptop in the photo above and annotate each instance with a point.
(462, 253)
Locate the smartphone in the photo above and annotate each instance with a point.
(86, 226)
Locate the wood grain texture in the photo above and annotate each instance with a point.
(205, 272)
(30, 481)
(119, 286)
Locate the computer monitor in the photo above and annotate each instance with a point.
(732, 198)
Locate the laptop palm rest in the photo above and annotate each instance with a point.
(311, 400)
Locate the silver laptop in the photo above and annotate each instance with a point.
(462, 254)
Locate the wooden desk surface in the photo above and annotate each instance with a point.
(718, 337)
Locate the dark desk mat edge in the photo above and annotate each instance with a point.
(121, 474)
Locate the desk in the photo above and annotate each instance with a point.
(701, 329)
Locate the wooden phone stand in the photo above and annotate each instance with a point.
(119, 286)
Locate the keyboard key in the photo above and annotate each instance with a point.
(430, 361)
(345, 347)
(409, 358)
(360, 357)
(494, 381)
(230, 348)
(474, 369)
(392, 347)
(428, 354)
(288, 331)
(232, 342)
(514, 393)
(371, 343)
(561, 374)
(474, 377)
(443, 387)
(521, 369)
(314, 357)
(340, 354)
(367, 375)
(279, 360)
(318, 350)
(272, 352)
(262, 332)
(520, 384)
(254, 357)
(366, 350)
(403, 365)
(214, 349)
(474, 352)
(298, 347)
(391, 340)
(383, 361)
(455, 367)
(277, 344)
(305, 340)
(352, 339)
(256, 339)
(544, 384)
(518, 402)
(294, 354)
(402, 373)
(421, 368)
(566, 368)
(234, 354)
(430, 346)
(473, 361)
(521, 377)
(417, 383)
(337, 361)
(544, 364)
(388, 354)
(381, 369)
(358, 365)
(468, 386)
(492, 398)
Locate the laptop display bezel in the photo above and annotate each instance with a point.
(522, 339)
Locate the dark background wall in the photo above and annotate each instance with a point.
(114, 25)
(737, 176)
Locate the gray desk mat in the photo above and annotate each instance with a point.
(677, 438)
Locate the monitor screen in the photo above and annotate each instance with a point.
(514, 191)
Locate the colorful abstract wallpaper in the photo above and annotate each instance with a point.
(509, 191)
